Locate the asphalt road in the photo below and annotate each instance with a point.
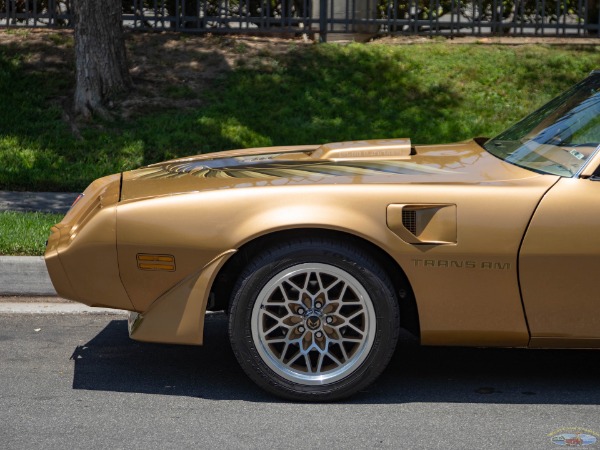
(77, 380)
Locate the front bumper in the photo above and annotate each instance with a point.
(81, 254)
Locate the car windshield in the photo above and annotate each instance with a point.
(560, 137)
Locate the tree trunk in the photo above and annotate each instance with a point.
(100, 58)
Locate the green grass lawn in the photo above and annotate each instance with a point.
(431, 92)
(25, 233)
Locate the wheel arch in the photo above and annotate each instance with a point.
(225, 280)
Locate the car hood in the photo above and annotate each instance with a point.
(357, 162)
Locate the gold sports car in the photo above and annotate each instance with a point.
(321, 254)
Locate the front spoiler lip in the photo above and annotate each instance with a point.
(56, 271)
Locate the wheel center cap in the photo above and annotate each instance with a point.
(313, 322)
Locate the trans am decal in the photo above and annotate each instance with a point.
(281, 165)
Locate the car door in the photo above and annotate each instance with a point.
(559, 266)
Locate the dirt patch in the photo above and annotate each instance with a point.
(169, 70)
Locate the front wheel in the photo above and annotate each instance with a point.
(313, 320)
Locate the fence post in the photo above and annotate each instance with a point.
(53, 12)
(323, 21)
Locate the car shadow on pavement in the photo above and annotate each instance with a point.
(111, 361)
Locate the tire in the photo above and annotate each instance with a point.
(313, 320)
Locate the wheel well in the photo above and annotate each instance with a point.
(223, 286)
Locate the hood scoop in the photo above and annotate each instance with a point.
(372, 150)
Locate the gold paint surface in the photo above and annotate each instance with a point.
(560, 262)
(461, 256)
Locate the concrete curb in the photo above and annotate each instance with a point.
(25, 275)
(57, 308)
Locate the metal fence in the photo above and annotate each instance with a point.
(326, 17)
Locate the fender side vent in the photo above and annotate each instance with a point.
(409, 220)
(418, 223)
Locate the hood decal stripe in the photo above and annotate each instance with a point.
(266, 167)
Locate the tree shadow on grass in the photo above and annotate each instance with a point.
(331, 93)
(313, 94)
(112, 362)
(198, 95)
(39, 151)
(326, 94)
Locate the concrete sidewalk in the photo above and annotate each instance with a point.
(57, 202)
(27, 275)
